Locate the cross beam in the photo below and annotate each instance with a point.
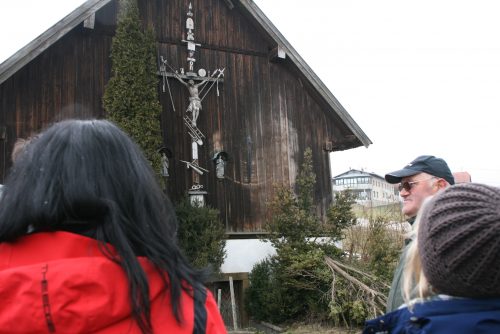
(189, 77)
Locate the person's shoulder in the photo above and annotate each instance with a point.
(456, 306)
(446, 314)
(390, 322)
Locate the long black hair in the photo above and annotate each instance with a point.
(89, 176)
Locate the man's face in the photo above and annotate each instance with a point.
(421, 186)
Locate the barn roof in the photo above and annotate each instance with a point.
(58, 30)
(22, 57)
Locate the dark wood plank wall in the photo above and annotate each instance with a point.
(261, 102)
(264, 117)
(65, 81)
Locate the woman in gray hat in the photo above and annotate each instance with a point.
(455, 264)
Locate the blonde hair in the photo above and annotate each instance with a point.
(19, 147)
(415, 284)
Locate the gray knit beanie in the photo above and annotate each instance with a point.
(459, 241)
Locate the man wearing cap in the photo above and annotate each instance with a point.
(421, 178)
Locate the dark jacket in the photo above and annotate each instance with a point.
(453, 316)
(395, 298)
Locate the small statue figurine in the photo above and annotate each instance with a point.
(164, 165)
(219, 167)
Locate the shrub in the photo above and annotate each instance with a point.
(201, 235)
(263, 299)
(298, 283)
(298, 275)
(383, 250)
(292, 288)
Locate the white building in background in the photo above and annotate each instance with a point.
(370, 189)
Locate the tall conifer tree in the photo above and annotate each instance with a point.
(131, 96)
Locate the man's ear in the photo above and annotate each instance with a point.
(441, 184)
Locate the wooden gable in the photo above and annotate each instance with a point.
(269, 109)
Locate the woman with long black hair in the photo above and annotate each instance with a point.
(88, 241)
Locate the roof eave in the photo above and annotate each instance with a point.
(22, 57)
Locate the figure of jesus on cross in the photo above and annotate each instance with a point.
(194, 98)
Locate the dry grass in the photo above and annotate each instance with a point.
(299, 328)
(316, 329)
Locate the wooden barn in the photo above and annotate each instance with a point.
(262, 106)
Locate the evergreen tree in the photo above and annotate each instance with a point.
(306, 182)
(131, 96)
(340, 215)
(295, 284)
(293, 221)
(297, 273)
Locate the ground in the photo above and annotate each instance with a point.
(296, 329)
(306, 329)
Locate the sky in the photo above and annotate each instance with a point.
(418, 77)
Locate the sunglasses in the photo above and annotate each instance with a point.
(408, 185)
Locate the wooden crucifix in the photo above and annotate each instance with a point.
(198, 84)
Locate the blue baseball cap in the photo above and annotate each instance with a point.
(423, 164)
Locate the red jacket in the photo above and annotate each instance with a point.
(60, 282)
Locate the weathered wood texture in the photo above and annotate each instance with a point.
(265, 116)
(65, 81)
